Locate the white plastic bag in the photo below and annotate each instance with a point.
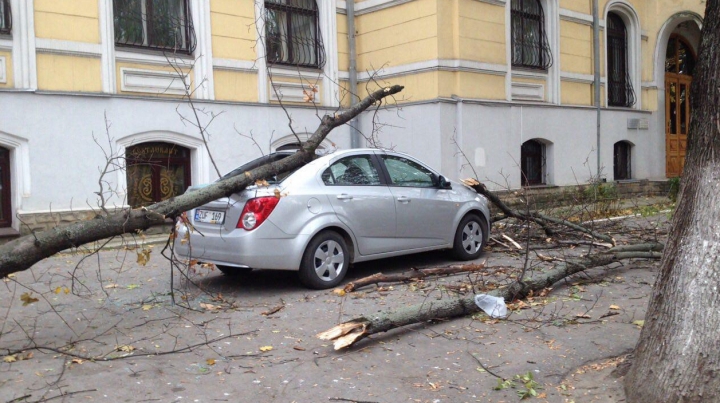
(493, 306)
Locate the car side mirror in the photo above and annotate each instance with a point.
(443, 183)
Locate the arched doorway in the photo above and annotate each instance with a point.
(679, 66)
(622, 163)
(532, 163)
(156, 171)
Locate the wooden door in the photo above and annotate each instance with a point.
(677, 122)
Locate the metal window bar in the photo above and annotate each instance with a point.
(164, 25)
(620, 89)
(292, 33)
(5, 17)
(530, 46)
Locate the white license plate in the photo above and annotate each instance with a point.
(210, 216)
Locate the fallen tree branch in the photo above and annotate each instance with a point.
(352, 331)
(416, 274)
(20, 254)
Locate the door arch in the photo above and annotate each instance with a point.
(156, 171)
(679, 65)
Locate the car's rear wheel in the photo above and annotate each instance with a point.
(233, 271)
(469, 237)
(325, 261)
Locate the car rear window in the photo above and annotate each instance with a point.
(265, 159)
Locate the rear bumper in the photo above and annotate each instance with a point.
(257, 249)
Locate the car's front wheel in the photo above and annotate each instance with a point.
(469, 238)
(325, 261)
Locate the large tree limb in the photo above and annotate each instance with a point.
(20, 254)
(415, 274)
(350, 332)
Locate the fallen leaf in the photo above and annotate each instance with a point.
(77, 361)
(133, 286)
(298, 348)
(27, 299)
(209, 307)
(143, 256)
(125, 348)
(614, 307)
(146, 307)
(339, 292)
(10, 358)
(111, 286)
(639, 323)
(210, 361)
(265, 348)
(583, 316)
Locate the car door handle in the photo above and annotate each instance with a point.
(403, 199)
(344, 196)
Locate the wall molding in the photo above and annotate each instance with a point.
(152, 81)
(577, 77)
(494, 2)
(6, 44)
(288, 92)
(528, 91)
(107, 43)
(3, 70)
(24, 53)
(183, 61)
(68, 48)
(203, 68)
(235, 65)
(369, 6)
(452, 65)
(576, 17)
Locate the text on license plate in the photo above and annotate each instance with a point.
(210, 216)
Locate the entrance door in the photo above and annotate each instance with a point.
(679, 65)
(156, 172)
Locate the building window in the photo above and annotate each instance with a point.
(532, 163)
(5, 17)
(292, 33)
(620, 89)
(5, 197)
(156, 172)
(621, 160)
(529, 40)
(679, 57)
(154, 24)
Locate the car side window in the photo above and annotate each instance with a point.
(350, 171)
(404, 172)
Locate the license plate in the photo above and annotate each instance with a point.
(210, 216)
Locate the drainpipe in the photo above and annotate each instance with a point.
(596, 56)
(352, 72)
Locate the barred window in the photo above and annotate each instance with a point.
(292, 33)
(620, 90)
(529, 41)
(154, 24)
(5, 17)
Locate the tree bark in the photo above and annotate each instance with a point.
(677, 358)
(352, 331)
(20, 254)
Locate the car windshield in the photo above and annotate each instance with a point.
(265, 159)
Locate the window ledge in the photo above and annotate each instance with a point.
(8, 233)
(152, 56)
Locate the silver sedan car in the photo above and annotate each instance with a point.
(345, 207)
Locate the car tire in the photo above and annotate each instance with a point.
(325, 261)
(231, 271)
(469, 237)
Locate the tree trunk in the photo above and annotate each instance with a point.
(20, 254)
(678, 356)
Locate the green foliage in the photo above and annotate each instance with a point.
(674, 188)
(528, 386)
(602, 196)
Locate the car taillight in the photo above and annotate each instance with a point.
(256, 211)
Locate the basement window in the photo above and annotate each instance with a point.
(164, 25)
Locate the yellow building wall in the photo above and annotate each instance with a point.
(481, 32)
(235, 86)
(576, 48)
(233, 28)
(118, 74)
(397, 35)
(418, 87)
(9, 79)
(478, 86)
(70, 20)
(581, 6)
(68, 73)
(342, 43)
(573, 93)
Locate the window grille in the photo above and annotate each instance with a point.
(5, 17)
(292, 33)
(529, 40)
(620, 90)
(154, 24)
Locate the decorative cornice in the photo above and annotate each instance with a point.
(235, 65)
(576, 17)
(494, 2)
(69, 48)
(152, 58)
(577, 77)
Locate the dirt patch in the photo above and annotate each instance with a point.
(118, 336)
